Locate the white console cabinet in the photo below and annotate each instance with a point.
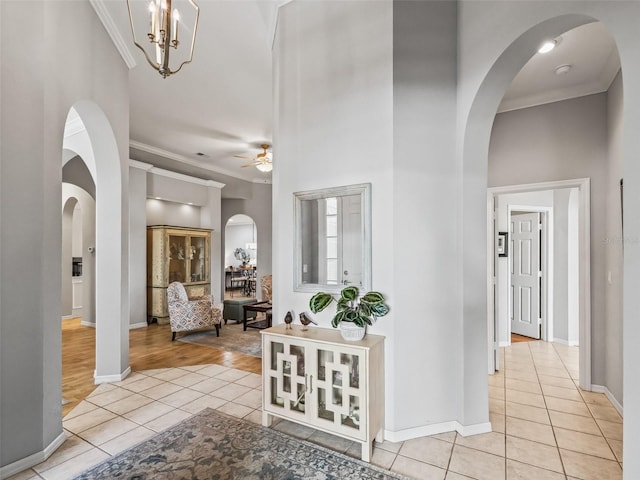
(316, 378)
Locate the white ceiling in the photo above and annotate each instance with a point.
(221, 103)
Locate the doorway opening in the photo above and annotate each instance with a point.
(240, 257)
(563, 302)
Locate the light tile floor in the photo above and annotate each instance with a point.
(544, 427)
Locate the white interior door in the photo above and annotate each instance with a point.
(525, 274)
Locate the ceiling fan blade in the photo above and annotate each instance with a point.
(245, 157)
(252, 164)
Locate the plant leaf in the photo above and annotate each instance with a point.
(343, 304)
(337, 318)
(379, 309)
(319, 302)
(350, 293)
(365, 309)
(350, 316)
(362, 320)
(373, 298)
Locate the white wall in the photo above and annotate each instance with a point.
(389, 122)
(53, 79)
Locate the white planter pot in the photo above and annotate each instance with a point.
(352, 332)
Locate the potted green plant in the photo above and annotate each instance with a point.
(353, 312)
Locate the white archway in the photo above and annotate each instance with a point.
(89, 135)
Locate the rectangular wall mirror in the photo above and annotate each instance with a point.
(333, 239)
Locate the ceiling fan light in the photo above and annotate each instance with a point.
(264, 167)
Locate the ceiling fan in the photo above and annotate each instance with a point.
(262, 161)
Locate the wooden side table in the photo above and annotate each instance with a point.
(264, 307)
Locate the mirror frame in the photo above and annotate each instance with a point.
(362, 189)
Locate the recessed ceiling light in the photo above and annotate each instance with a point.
(562, 69)
(158, 198)
(200, 154)
(547, 46)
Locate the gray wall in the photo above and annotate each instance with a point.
(52, 79)
(614, 242)
(561, 141)
(137, 247)
(259, 207)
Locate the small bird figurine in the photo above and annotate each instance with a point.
(288, 319)
(305, 320)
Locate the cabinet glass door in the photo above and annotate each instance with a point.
(198, 261)
(338, 389)
(177, 258)
(287, 376)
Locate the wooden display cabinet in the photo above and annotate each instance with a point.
(176, 254)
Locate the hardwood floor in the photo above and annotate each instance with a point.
(149, 348)
(521, 338)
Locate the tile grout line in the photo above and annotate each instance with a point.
(544, 399)
(596, 422)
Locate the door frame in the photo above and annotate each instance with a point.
(584, 264)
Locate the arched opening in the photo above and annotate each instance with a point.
(240, 256)
(476, 157)
(92, 163)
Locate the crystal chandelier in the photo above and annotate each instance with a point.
(163, 29)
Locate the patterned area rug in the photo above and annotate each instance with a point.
(232, 338)
(212, 445)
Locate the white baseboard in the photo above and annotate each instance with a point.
(133, 326)
(34, 459)
(410, 433)
(67, 317)
(87, 324)
(602, 389)
(469, 430)
(568, 343)
(98, 379)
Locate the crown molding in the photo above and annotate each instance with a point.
(182, 159)
(140, 165)
(116, 37)
(147, 167)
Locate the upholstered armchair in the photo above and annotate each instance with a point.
(187, 314)
(265, 282)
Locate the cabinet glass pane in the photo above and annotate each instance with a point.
(198, 259)
(299, 403)
(177, 258)
(323, 357)
(353, 419)
(322, 406)
(276, 348)
(353, 362)
(275, 399)
(298, 352)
